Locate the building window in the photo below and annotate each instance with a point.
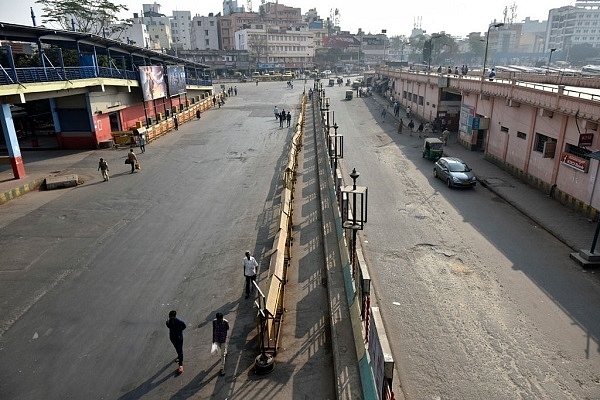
(212, 23)
(540, 140)
(199, 23)
(521, 135)
(421, 100)
(577, 151)
(503, 129)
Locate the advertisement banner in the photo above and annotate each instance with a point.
(152, 81)
(340, 41)
(176, 79)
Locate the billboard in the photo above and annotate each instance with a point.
(152, 81)
(340, 41)
(176, 79)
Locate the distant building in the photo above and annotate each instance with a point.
(205, 32)
(573, 25)
(181, 23)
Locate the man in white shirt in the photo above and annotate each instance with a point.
(250, 265)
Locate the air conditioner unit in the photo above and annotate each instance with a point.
(546, 113)
(512, 103)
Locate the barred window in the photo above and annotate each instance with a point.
(577, 151)
(540, 140)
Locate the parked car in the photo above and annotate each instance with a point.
(455, 172)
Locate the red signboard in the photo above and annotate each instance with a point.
(574, 162)
(586, 139)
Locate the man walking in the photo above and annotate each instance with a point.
(176, 122)
(250, 265)
(276, 112)
(103, 166)
(176, 327)
(132, 160)
(445, 136)
(219, 336)
(143, 143)
(288, 117)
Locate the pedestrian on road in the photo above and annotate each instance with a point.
(103, 166)
(411, 126)
(143, 143)
(176, 122)
(250, 265)
(198, 114)
(132, 160)
(420, 129)
(445, 136)
(235, 90)
(281, 118)
(428, 129)
(176, 327)
(407, 112)
(219, 336)
(214, 101)
(276, 112)
(383, 114)
(288, 117)
(400, 126)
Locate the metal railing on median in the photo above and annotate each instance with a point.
(274, 295)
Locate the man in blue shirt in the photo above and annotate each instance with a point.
(220, 328)
(176, 327)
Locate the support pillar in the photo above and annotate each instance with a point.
(12, 143)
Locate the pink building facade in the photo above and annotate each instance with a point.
(544, 131)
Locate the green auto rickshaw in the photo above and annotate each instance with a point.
(433, 149)
(349, 94)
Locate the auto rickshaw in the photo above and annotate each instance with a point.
(331, 82)
(433, 149)
(349, 94)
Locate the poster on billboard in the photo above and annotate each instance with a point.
(152, 80)
(176, 79)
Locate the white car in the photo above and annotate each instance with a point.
(327, 72)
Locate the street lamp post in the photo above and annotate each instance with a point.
(549, 61)
(487, 42)
(383, 32)
(355, 218)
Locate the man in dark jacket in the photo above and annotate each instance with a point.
(176, 327)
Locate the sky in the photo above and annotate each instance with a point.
(454, 17)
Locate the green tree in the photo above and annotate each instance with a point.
(97, 17)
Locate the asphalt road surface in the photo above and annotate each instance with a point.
(89, 274)
(478, 302)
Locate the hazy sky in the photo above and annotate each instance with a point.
(455, 17)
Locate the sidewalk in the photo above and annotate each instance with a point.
(566, 225)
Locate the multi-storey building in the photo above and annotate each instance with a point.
(573, 25)
(276, 46)
(180, 29)
(205, 32)
(273, 14)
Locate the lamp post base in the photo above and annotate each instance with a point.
(586, 259)
(264, 364)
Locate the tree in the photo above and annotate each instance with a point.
(98, 17)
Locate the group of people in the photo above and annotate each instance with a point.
(131, 160)
(220, 326)
(232, 91)
(282, 116)
(464, 70)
